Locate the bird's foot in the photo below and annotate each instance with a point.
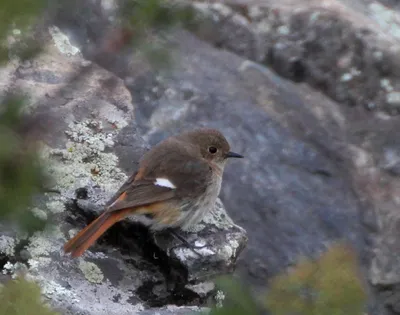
(188, 244)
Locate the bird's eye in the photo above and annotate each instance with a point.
(212, 150)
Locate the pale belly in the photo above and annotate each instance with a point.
(198, 210)
(193, 212)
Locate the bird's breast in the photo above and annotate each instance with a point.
(195, 210)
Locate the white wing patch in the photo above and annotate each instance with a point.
(164, 183)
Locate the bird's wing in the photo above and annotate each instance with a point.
(180, 163)
(170, 171)
(123, 188)
(140, 194)
(186, 180)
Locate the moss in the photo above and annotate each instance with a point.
(62, 42)
(54, 291)
(40, 245)
(39, 213)
(91, 271)
(55, 206)
(22, 297)
(329, 285)
(73, 166)
(7, 245)
(44, 243)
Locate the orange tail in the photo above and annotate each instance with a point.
(85, 238)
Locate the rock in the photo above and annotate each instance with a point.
(92, 146)
(348, 51)
(84, 121)
(234, 31)
(342, 48)
(293, 193)
(221, 238)
(288, 183)
(7, 246)
(315, 172)
(391, 161)
(171, 310)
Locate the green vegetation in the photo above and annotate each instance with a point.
(329, 285)
(148, 21)
(145, 16)
(21, 174)
(22, 297)
(145, 22)
(17, 17)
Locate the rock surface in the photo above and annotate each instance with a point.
(93, 139)
(316, 170)
(347, 50)
(292, 191)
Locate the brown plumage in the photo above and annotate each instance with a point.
(178, 181)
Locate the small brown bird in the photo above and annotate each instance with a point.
(177, 183)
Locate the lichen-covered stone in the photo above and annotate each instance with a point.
(90, 151)
(7, 245)
(315, 171)
(91, 271)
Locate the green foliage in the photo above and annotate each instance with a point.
(238, 301)
(18, 15)
(21, 175)
(144, 16)
(147, 22)
(20, 296)
(156, 54)
(329, 285)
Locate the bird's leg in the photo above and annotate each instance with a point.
(175, 234)
(183, 240)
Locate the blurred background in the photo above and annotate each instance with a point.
(308, 91)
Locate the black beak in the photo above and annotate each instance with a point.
(234, 155)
